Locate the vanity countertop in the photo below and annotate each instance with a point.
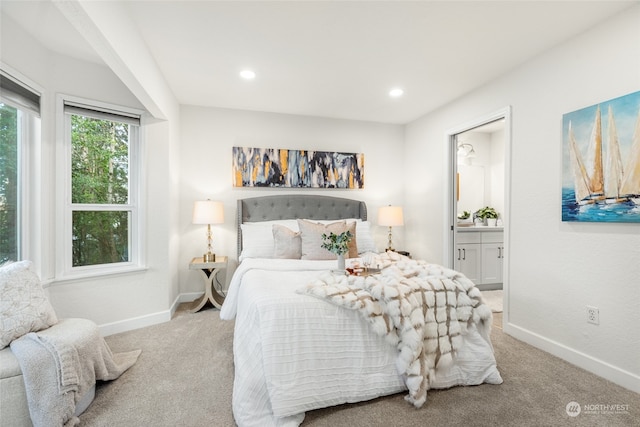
(477, 228)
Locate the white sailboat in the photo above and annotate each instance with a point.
(630, 186)
(589, 189)
(580, 176)
(615, 172)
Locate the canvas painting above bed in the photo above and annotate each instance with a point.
(273, 167)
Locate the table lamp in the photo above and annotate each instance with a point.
(390, 216)
(208, 212)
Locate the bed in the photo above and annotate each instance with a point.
(300, 344)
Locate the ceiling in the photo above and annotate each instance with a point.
(335, 59)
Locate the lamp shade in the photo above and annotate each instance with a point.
(208, 212)
(390, 216)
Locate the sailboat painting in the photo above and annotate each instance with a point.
(601, 158)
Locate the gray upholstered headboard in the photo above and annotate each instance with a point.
(292, 206)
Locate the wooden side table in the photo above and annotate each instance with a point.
(209, 270)
(405, 253)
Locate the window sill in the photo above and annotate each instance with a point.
(94, 274)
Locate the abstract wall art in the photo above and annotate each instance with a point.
(273, 167)
(601, 162)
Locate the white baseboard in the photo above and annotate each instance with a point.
(597, 367)
(188, 297)
(135, 323)
(148, 319)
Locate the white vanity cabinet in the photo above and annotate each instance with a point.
(492, 257)
(480, 255)
(469, 256)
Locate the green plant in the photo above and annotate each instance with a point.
(336, 243)
(464, 215)
(486, 212)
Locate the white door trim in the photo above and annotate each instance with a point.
(450, 210)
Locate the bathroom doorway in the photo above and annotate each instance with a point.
(479, 178)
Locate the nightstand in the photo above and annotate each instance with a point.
(405, 253)
(209, 270)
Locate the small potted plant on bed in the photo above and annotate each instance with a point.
(487, 214)
(337, 244)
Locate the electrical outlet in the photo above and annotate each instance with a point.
(593, 315)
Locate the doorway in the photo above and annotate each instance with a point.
(479, 177)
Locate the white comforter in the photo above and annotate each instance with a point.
(295, 353)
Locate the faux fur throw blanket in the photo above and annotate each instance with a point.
(60, 364)
(423, 309)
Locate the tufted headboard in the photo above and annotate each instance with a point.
(293, 206)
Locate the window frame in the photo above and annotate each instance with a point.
(65, 208)
(29, 140)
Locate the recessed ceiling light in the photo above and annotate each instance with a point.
(247, 74)
(394, 93)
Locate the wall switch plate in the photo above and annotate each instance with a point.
(593, 315)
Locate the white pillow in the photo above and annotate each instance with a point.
(364, 238)
(287, 243)
(257, 238)
(257, 242)
(24, 307)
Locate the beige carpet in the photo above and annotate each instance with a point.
(184, 377)
(493, 299)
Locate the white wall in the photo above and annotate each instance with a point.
(471, 188)
(114, 302)
(208, 135)
(555, 269)
(482, 177)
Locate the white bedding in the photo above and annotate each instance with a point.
(295, 353)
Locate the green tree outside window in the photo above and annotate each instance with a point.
(99, 178)
(8, 183)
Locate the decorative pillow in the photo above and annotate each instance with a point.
(287, 243)
(311, 239)
(24, 307)
(353, 243)
(364, 238)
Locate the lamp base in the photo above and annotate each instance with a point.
(209, 257)
(390, 245)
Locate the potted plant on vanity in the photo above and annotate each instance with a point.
(337, 244)
(488, 215)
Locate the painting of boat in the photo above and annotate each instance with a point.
(601, 175)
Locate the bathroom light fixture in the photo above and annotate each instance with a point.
(466, 151)
(208, 212)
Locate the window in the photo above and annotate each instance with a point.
(19, 111)
(102, 212)
(9, 209)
